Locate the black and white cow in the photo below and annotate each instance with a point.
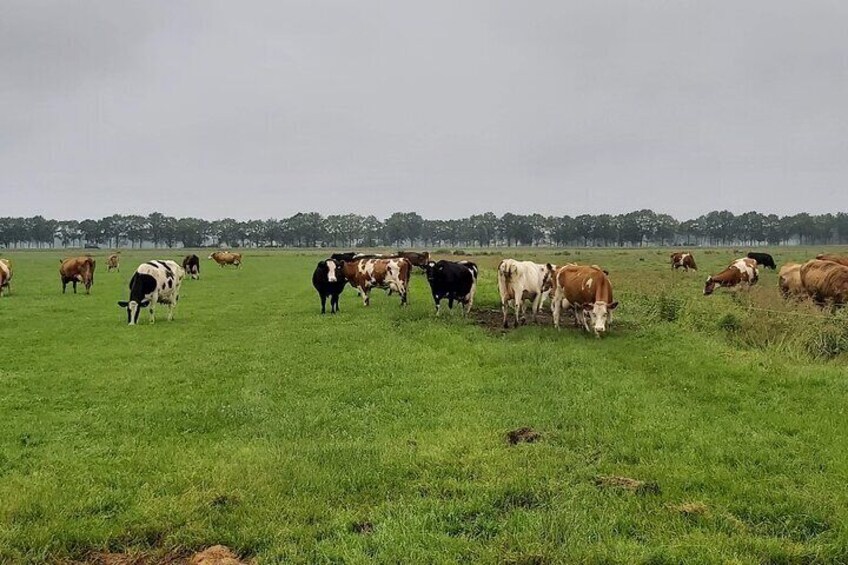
(329, 280)
(153, 282)
(454, 281)
(763, 260)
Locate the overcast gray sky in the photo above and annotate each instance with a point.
(447, 108)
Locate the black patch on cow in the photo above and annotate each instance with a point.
(170, 283)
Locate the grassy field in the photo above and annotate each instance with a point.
(380, 434)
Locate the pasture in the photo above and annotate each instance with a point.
(379, 434)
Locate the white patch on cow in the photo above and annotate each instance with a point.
(331, 273)
(588, 283)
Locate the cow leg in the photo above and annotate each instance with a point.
(324, 304)
(450, 304)
(438, 302)
(366, 296)
(152, 314)
(536, 305)
(505, 310)
(64, 286)
(335, 302)
(171, 307)
(75, 287)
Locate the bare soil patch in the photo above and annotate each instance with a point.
(690, 508)
(215, 555)
(523, 435)
(626, 483)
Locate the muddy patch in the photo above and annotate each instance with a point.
(523, 435)
(215, 555)
(627, 484)
(492, 320)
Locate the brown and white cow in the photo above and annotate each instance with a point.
(685, 260)
(5, 276)
(226, 258)
(587, 291)
(390, 274)
(519, 281)
(789, 281)
(741, 272)
(834, 258)
(825, 281)
(113, 262)
(77, 269)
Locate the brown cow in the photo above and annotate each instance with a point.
(391, 274)
(5, 276)
(685, 260)
(789, 281)
(226, 258)
(742, 271)
(416, 259)
(77, 269)
(113, 262)
(586, 290)
(825, 281)
(833, 257)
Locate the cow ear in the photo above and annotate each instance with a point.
(144, 303)
(123, 303)
(613, 305)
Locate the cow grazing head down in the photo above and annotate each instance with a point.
(600, 314)
(709, 286)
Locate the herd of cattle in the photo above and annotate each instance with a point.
(583, 290)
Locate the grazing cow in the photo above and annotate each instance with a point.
(191, 265)
(742, 271)
(77, 269)
(5, 276)
(789, 281)
(834, 258)
(586, 290)
(329, 280)
(391, 274)
(456, 281)
(154, 282)
(763, 260)
(113, 262)
(226, 258)
(825, 281)
(519, 281)
(685, 260)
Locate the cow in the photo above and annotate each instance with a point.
(825, 282)
(227, 258)
(329, 280)
(415, 258)
(740, 272)
(519, 281)
(154, 282)
(834, 258)
(346, 256)
(455, 281)
(789, 281)
(191, 265)
(587, 291)
(763, 259)
(391, 274)
(77, 269)
(5, 276)
(685, 260)
(113, 262)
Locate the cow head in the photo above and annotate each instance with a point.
(599, 314)
(430, 269)
(333, 269)
(709, 286)
(133, 309)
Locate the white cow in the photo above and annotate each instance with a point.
(5, 276)
(153, 282)
(519, 281)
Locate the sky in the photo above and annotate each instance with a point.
(259, 109)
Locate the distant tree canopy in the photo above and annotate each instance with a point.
(408, 229)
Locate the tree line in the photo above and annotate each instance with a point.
(638, 228)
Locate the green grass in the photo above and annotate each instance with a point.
(378, 434)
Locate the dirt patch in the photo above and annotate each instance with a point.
(626, 483)
(690, 509)
(215, 555)
(362, 528)
(523, 435)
